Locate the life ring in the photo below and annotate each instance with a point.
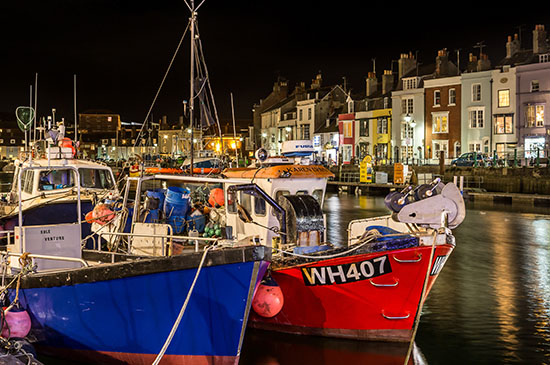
(134, 170)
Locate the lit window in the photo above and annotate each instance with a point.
(348, 129)
(504, 124)
(534, 115)
(503, 98)
(440, 123)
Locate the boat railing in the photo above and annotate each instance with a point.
(179, 178)
(162, 237)
(47, 257)
(357, 227)
(9, 235)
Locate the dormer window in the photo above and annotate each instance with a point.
(410, 83)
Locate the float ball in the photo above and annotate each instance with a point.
(17, 324)
(268, 300)
(215, 199)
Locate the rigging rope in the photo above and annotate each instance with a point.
(138, 139)
(182, 310)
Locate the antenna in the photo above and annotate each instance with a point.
(458, 60)
(480, 45)
(234, 131)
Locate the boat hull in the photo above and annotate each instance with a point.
(124, 312)
(372, 296)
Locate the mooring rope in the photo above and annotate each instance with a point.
(367, 239)
(182, 310)
(422, 298)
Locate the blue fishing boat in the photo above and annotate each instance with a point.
(140, 301)
(125, 311)
(106, 284)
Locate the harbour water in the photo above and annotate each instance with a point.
(490, 305)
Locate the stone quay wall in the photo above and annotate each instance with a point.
(524, 180)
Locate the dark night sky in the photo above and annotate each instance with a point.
(120, 49)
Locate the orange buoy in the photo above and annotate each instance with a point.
(216, 199)
(90, 217)
(101, 214)
(66, 142)
(268, 300)
(17, 324)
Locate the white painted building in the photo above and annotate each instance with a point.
(504, 131)
(409, 119)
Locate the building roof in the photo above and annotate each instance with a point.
(332, 127)
(521, 57)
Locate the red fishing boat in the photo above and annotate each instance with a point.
(373, 286)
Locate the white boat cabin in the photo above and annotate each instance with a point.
(275, 180)
(43, 179)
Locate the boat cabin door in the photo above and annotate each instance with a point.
(59, 245)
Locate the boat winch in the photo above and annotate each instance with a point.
(304, 219)
(429, 205)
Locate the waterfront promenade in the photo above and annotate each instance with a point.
(523, 185)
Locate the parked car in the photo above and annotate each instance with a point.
(468, 159)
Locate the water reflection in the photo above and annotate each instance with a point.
(267, 348)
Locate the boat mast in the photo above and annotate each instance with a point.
(192, 79)
(35, 106)
(74, 105)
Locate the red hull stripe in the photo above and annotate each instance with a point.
(104, 357)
